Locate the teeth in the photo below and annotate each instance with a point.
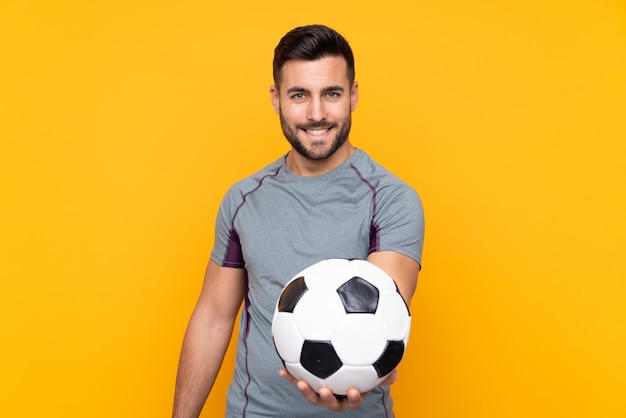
(317, 131)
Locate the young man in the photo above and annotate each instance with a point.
(323, 199)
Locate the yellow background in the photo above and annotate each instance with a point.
(122, 123)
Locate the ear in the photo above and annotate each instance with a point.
(275, 96)
(354, 96)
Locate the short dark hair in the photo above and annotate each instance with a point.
(311, 43)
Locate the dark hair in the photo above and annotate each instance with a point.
(311, 43)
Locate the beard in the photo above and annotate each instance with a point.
(318, 150)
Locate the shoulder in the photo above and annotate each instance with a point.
(382, 181)
(251, 183)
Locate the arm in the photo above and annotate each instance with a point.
(404, 271)
(207, 337)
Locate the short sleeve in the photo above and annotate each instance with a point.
(398, 221)
(227, 247)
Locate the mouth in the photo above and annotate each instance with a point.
(316, 131)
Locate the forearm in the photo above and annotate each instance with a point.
(201, 356)
(402, 269)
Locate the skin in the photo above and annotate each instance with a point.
(314, 101)
(212, 320)
(315, 94)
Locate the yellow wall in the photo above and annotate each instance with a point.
(122, 123)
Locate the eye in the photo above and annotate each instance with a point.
(298, 96)
(333, 94)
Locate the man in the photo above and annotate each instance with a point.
(323, 199)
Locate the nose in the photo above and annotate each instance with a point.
(316, 111)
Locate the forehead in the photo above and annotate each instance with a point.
(319, 73)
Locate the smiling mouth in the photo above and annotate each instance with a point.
(316, 132)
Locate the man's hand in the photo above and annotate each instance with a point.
(326, 398)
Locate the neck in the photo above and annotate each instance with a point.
(302, 166)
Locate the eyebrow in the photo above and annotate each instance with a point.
(297, 89)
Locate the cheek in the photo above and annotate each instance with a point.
(340, 112)
(293, 113)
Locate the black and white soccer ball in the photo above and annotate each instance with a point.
(341, 324)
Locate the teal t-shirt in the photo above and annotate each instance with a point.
(274, 224)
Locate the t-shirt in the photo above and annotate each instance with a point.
(274, 224)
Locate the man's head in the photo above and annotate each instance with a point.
(315, 93)
(311, 43)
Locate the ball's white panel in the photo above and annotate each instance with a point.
(301, 373)
(287, 338)
(363, 378)
(318, 314)
(379, 381)
(393, 312)
(327, 274)
(360, 339)
(406, 339)
(373, 274)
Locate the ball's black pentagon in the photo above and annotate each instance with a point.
(358, 296)
(319, 358)
(390, 358)
(291, 294)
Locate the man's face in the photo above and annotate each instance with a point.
(315, 102)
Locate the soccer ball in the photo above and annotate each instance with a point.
(341, 324)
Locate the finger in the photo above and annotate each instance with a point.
(330, 401)
(287, 376)
(308, 393)
(354, 399)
